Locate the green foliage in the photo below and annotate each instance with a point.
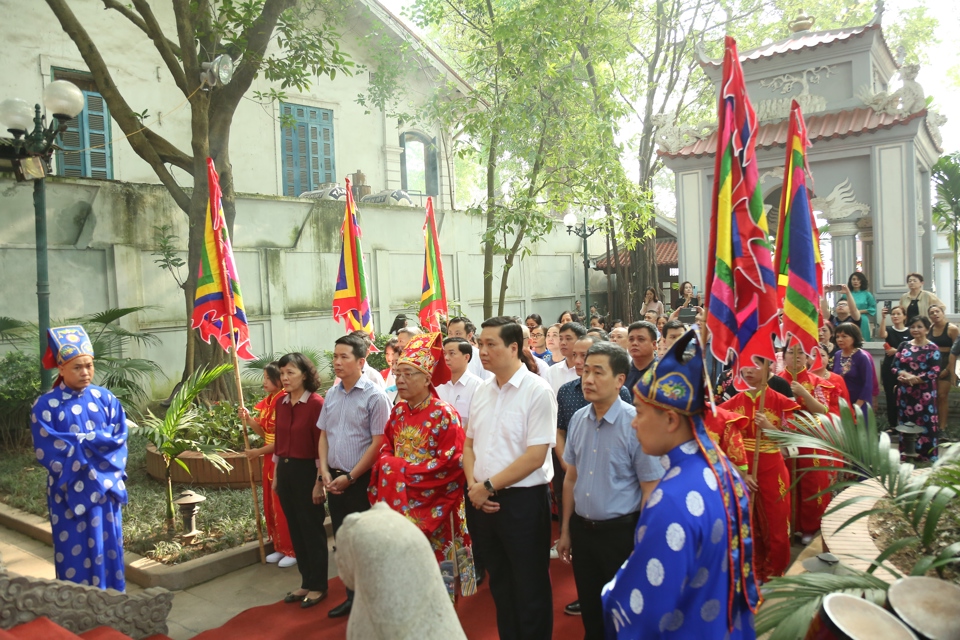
(920, 499)
(174, 433)
(378, 359)
(166, 255)
(126, 377)
(220, 425)
(19, 387)
(225, 520)
(306, 39)
(946, 212)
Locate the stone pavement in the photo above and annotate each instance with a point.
(204, 606)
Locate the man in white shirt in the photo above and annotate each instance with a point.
(404, 335)
(461, 327)
(458, 393)
(506, 459)
(566, 370)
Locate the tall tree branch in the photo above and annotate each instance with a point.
(125, 11)
(162, 43)
(119, 109)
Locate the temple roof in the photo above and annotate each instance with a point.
(820, 126)
(666, 256)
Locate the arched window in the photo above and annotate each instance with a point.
(419, 169)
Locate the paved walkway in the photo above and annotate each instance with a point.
(204, 606)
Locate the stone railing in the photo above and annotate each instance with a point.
(79, 608)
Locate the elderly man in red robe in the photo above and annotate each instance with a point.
(419, 472)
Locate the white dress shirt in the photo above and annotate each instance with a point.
(559, 375)
(542, 368)
(505, 420)
(373, 375)
(459, 394)
(476, 367)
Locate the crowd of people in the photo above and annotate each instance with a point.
(481, 437)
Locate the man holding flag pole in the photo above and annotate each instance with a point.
(742, 308)
(218, 306)
(800, 280)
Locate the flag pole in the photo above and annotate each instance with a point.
(246, 440)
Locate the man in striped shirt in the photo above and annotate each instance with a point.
(351, 424)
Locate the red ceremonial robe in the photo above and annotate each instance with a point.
(277, 527)
(725, 430)
(419, 473)
(815, 475)
(772, 504)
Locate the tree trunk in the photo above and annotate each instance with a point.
(643, 262)
(490, 222)
(171, 522)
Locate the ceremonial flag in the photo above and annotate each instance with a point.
(350, 301)
(799, 269)
(218, 286)
(433, 300)
(741, 284)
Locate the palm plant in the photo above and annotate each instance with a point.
(173, 433)
(862, 450)
(126, 377)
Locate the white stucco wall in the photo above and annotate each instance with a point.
(364, 141)
(101, 236)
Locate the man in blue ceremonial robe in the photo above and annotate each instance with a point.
(80, 435)
(690, 574)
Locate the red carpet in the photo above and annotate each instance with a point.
(477, 615)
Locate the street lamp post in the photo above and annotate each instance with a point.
(584, 232)
(32, 153)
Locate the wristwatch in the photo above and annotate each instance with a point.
(489, 487)
(350, 478)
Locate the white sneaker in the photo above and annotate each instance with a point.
(287, 561)
(275, 557)
(553, 551)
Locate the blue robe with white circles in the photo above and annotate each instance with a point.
(676, 584)
(81, 439)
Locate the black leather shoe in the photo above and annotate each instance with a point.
(290, 598)
(306, 602)
(572, 609)
(342, 609)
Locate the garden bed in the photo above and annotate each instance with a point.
(202, 472)
(886, 528)
(226, 519)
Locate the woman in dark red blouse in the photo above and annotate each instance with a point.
(301, 494)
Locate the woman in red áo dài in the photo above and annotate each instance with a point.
(265, 426)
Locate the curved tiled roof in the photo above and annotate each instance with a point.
(820, 126)
(796, 43)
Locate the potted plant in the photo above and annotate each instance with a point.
(173, 434)
(920, 500)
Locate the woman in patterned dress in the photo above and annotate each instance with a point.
(265, 426)
(917, 367)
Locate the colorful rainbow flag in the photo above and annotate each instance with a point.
(433, 300)
(350, 301)
(799, 268)
(218, 286)
(741, 285)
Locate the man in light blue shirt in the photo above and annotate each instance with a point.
(608, 477)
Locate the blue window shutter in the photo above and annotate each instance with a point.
(307, 154)
(97, 120)
(69, 158)
(85, 145)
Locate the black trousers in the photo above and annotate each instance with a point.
(597, 554)
(295, 480)
(515, 545)
(353, 500)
